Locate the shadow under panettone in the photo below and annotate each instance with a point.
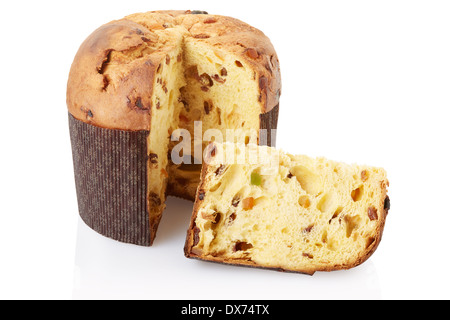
(175, 220)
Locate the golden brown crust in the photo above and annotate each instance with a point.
(93, 98)
(190, 233)
(121, 100)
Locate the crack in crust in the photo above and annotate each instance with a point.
(101, 70)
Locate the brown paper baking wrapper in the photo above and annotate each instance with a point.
(111, 181)
(269, 121)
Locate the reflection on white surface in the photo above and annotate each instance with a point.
(106, 269)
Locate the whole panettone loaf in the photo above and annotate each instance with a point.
(284, 212)
(136, 81)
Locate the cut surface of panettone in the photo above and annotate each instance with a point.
(285, 212)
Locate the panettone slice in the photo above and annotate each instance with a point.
(268, 209)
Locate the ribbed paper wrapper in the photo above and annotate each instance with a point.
(111, 181)
(269, 121)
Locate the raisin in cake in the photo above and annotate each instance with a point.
(133, 83)
(284, 212)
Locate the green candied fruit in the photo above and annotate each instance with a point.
(256, 179)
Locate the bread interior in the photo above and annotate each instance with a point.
(293, 212)
(221, 93)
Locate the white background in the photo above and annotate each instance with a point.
(363, 81)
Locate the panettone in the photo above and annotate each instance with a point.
(136, 81)
(285, 212)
